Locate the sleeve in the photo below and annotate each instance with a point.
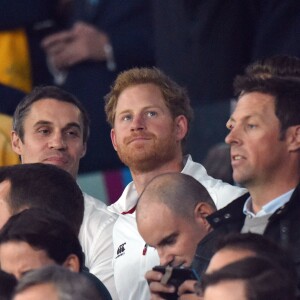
(23, 13)
(130, 31)
(99, 252)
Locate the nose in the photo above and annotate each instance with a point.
(233, 137)
(165, 258)
(138, 123)
(57, 141)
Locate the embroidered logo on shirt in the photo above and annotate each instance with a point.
(121, 250)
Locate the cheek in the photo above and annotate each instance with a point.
(189, 244)
(32, 148)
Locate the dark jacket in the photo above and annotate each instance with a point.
(205, 251)
(283, 226)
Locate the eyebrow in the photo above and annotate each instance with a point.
(254, 115)
(144, 108)
(68, 125)
(164, 241)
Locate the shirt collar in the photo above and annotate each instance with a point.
(268, 208)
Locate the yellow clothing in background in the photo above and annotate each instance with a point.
(7, 155)
(15, 69)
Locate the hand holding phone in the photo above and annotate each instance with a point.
(175, 276)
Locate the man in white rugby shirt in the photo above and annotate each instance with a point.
(51, 126)
(150, 117)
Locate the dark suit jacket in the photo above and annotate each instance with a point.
(283, 226)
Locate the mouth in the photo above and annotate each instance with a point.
(138, 139)
(177, 264)
(236, 157)
(56, 160)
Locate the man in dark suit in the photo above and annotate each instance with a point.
(264, 139)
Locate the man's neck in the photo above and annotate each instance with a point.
(141, 179)
(264, 194)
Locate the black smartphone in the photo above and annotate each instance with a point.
(175, 276)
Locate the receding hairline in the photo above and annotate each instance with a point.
(171, 189)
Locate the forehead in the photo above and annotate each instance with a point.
(254, 104)
(226, 256)
(157, 221)
(142, 95)
(19, 254)
(37, 292)
(52, 110)
(227, 290)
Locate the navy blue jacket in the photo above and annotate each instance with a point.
(283, 226)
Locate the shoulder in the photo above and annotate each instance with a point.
(230, 214)
(96, 212)
(221, 192)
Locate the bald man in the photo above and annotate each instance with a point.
(171, 217)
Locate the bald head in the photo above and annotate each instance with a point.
(179, 192)
(171, 217)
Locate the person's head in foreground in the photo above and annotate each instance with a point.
(236, 246)
(42, 186)
(55, 283)
(171, 216)
(35, 238)
(252, 278)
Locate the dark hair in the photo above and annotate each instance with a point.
(261, 246)
(278, 66)
(179, 192)
(43, 92)
(280, 78)
(262, 278)
(7, 285)
(175, 97)
(69, 285)
(43, 230)
(44, 186)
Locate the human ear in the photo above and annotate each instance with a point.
(16, 143)
(113, 139)
(83, 150)
(72, 263)
(293, 138)
(201, 211)
(181, 127)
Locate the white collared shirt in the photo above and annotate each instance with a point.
(130, 265)
(268, 208)
(95, 237)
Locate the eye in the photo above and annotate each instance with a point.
(126, 117)
(169, 241)
(151, 114)
(73, 133)
(43, 131)
(251, 126)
